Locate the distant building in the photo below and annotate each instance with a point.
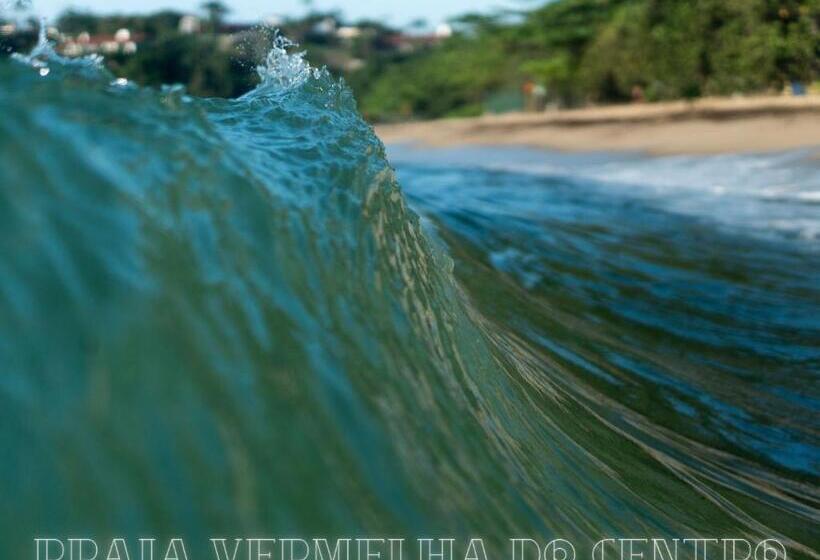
(348, 33)
(122, 36)
(325, 26)
(123, 41)
(406, 43)
(189, 24)
(443, 31)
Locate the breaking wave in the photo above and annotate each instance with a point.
(220, 317)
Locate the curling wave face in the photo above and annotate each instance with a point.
(219, 317)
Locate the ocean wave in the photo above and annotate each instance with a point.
(221, 317)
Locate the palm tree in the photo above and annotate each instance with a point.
(216, 11)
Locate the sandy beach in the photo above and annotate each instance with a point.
(705, 126)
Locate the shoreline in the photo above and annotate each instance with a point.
(704, 126)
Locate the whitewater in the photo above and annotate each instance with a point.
(226, 317)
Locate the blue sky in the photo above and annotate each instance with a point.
(396, 12)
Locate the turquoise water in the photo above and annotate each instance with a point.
(226, 318)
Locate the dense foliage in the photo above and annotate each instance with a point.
(586, 51)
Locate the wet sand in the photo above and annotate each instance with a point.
(706, 126)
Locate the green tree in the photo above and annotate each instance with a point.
(216, 12)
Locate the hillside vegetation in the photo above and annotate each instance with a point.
(576, 52)
(595, 51)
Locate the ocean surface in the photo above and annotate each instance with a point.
(245, 318)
